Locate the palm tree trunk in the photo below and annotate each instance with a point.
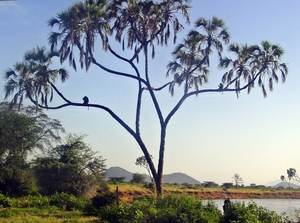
(158, 180)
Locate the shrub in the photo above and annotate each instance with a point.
(173, 209)
(239, 212)
(186, 209)
(68, 202)
(5, 202)
(103, 198)
(116, 214)
(33, 201)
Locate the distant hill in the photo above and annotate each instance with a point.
(178, 178)
(116, 171)
(279, 183)
(285, 185)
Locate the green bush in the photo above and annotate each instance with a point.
(181, 209)
(184, 209)
(68, 202)
(116, 214)
(239, 213)
(33, 201)
(103, 198)
(5, 202)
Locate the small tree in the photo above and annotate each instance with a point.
(137, 178)
(227, 185)
(72, 167)
(142, 161)
(209, 184)
(237, 180)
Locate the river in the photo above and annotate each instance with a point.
(279, 205)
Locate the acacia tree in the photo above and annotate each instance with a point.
(71, 167)
(237, 180)
(142, 161)
(139, 26)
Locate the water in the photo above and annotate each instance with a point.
(279, 205)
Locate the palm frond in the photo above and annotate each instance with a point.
(264, 90)
(271, 84)
(52, 22)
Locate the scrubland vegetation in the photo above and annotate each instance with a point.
(106, 206)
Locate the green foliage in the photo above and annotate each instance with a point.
(68, 202)
(72, 168)
(209, 184)
(227, 185)
(137, 178)
(7, 212)
(33, 201)
(116, 214)
(239, 213)
(173, 209)
(45, 215)
(104, 197)
(296, 216)
(5, 201)
(187, 209)
(184, 209)
(22, 131)
(147, 209)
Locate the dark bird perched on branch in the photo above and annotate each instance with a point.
(85, 100)
(220, 87)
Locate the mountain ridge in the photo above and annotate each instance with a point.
(177, 177)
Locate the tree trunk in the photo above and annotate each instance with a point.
(158, 179)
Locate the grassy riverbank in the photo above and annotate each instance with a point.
(128, 191)
(19, 212)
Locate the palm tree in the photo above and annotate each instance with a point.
(139, 24)
(33, 77)
(77, 28)
(148, 21)
(268, 63)
(191, 58)
(282, 178)
(252, 63)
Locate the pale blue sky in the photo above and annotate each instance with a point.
(213, 136)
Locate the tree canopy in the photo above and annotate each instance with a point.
(21, 133)
(71, 167)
